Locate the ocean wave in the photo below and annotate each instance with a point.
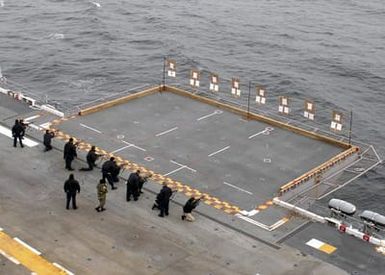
(96, 4)
(56, 36)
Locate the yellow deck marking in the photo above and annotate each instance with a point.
(327, 248)
(26, 257)
(324, 247)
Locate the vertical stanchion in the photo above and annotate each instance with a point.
(248, 101)
(164, 74)
(350, 127)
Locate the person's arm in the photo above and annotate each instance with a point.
(78, 186)
(66, 186)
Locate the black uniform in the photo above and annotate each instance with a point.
(109, 170)
(163, 199)
(91, 158)
(133, 186)
(69, 154)
(142, 181)
(71, 187)
(47, 140)
(18, 133)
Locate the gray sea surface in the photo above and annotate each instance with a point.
(74, 51)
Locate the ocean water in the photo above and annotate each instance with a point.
(74, 51)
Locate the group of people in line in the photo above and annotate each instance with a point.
(110, 173)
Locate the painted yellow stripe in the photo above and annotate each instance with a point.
(327, 248)
(26, 257)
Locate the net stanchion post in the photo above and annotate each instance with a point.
(248, 101)
(350, 127)
(164, 73)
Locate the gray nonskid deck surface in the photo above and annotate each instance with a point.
(353, 255)
(128, 237)
(176, 131)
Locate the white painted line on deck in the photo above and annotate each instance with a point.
(249, 213)
(221, 150)
(266, 131)
(183, 165)
(31, 117)
(120, 149)
(216, 112)
(90, 128)
(34, 126)
(64, 269)
(46, 125)
(257, 134)
(172, 172)
(7, 132)
(238, 188)
(27, 246)
(135, 146)
(165, 132)
(12, 259)
(261, 225)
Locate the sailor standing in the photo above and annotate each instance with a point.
(47, 138)
(109, 171)
(164, 199)
(69, 153)
(102, 195)
(133, 186)
(17, 133)
(71, 187)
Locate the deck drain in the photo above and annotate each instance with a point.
(120, 136)
(267, 160)
(148, 159)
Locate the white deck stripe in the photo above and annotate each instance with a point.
(139, 148)
(172, 172)
(238, 188)
(90, 128)
(221, 150)
(165, 132)
(32, 117)
(12, 259)
(135, 146)
(27, 246)
(46, 125)
(7, 132)
(185, 166)
(216, 112)
(257, 134)
(34, 126)
(120, 149)
(64, 269)
(315, 243)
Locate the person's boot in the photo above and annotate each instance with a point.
(183, 217)
(97, 209)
